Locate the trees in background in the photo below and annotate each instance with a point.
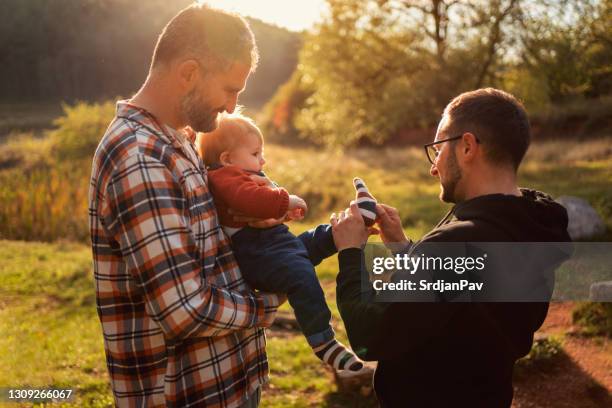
(97, 49)
(375, 69)
(573, 60)
(78, 49)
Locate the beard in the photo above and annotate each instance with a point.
(198, 113)
(453, 175)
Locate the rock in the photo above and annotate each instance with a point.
(359, 382)
(601, 292)
(584, 222)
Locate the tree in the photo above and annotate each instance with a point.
(376, 67)
(574, 57)
(97, 49)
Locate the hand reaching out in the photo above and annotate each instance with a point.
(297, 208)
(348, 228)
(390, 225)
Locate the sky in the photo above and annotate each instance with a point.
(295, 15)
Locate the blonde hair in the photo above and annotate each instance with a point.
(232, 129)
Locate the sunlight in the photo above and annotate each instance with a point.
(294, 15)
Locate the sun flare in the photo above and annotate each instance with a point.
(294, 15)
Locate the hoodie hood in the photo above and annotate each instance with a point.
(533, 217)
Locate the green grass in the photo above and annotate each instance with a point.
(52, 336)
(50, 331)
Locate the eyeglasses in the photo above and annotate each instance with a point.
(432, 153)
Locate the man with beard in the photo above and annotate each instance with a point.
(181, 327)
(445, 353)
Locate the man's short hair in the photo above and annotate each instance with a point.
(214, 37)
(497, 119)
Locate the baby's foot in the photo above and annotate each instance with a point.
(338, 356)
(365, 201)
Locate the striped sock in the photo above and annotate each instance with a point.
(365, 201)
(338, 356)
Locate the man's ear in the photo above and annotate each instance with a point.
(469, 146)
(225, 159)
(188, 72)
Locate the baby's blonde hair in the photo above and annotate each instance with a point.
(232, 128)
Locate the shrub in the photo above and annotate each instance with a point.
(543, 352)
(80, 129)
(594, 317)
(45, 182)
(277, 119)
(45, 203)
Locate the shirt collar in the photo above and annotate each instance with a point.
(167, 133)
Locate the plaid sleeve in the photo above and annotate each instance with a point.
(146, 216)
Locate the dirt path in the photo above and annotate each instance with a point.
(580, 378)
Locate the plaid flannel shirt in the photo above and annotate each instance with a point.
(181, 327)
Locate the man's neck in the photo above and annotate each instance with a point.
(494, 183)
(153, 98)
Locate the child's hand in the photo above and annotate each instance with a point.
(295, 215)
(297, 207)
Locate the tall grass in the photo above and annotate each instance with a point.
(45, 203)
(44, 181)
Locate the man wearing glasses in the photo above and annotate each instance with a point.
(446, 354)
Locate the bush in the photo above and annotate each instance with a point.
(543, 352)
(80, 129)
(45, 203)
(44, 183)
(594, 317)
(277, 120)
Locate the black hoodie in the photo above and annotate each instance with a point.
(453, 354)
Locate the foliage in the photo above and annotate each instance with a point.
(595, 317)
(359, 68)
(45, 181)
(381, 66)
(45, 203)
(278, 115)
(572, 60)
(92, 50)
(542, 352)
(374, 70)
(79, 130)
(44, 185)
(579, 117)
(278, 54)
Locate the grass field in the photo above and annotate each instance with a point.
(50, 331)
(51, 336)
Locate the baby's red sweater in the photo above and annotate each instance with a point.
(232, 187)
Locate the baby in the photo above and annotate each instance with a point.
(271, 259)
